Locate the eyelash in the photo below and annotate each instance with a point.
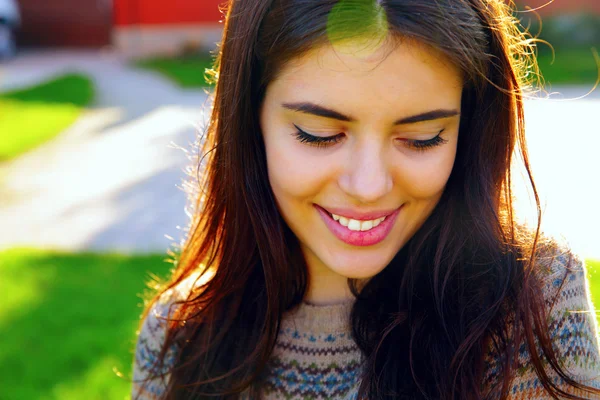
(320, 141)
(422, 145)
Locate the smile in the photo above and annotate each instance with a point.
(356, 225)
(359, 230)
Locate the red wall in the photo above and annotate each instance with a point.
(559, 6)
(185, 12)
(166, 12)
(73, 23)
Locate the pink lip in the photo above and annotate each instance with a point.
(359, 238)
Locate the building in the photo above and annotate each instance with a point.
(135, 26)
(150, 26)
(545, 7)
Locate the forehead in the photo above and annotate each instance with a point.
(358, 78)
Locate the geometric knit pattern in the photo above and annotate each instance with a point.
(315, 357)
(573, 330)
(576, 332)
(150, 338)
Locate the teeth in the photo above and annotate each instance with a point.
(356, 225)
(366, 225)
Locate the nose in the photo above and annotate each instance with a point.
(367, 176)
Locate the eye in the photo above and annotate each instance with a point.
(318, 141)
(422, 145)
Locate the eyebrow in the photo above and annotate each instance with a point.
(320, 111)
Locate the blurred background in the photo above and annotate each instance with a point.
(100, 102)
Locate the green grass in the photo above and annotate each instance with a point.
(186, 71)
(570, 66)
(68, 321)
(34, 115)
(594, 275)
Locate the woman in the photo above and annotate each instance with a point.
(355, 236)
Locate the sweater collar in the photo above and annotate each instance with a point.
(318, 319)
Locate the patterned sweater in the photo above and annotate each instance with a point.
(315, 356)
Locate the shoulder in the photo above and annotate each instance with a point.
(572, 327)
(151, 373)
(571, 322)
(563, 280)
(571, 315)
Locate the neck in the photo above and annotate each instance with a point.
(327, 288)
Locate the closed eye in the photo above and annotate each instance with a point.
(325, 141)
(423, 145)
(318, 141)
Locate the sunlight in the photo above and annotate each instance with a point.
(564, 140)
(79, 189)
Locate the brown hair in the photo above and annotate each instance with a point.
(470, 265)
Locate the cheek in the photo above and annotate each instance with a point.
(425, 176)
(294, 172)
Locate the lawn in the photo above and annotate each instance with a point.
(594, 275)
(569, 66)
(68, 322)
(34, 115)
(186, 71)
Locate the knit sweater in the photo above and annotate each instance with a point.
(315, 356)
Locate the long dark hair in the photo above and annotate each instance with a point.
(470, 265)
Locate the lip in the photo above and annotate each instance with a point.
(359, 238)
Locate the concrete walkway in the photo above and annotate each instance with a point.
(110, 181)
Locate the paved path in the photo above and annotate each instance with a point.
(110, 182)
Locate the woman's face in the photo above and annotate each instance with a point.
(359, 150)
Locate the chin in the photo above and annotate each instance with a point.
(354, 267)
